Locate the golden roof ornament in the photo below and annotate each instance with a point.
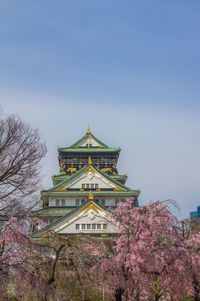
(88, 130)
(91, 197)
(89, 160)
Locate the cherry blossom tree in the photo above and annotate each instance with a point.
(17, 256)
(151, 259)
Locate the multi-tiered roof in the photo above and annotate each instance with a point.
(87, 166)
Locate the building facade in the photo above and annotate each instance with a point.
(195, 219)
(87, 185)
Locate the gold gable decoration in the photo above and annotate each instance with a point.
(90, 169)
(93, 207)
(107, 169)
(61, 189)
(91, 197)
(72, 169)
(118, 189)
(89, 137)
(63, 165)
(88, 130)
(89, 160)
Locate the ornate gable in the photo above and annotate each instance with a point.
(89, 141)
(91, 178)
(89, 218)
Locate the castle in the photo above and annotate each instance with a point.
(87, 185)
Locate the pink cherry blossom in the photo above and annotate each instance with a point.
(150, 259)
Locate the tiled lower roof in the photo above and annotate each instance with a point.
(52, 211)
(89, 150)
(101, 192)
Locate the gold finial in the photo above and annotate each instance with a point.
(89, 160)
(91, 197)
(53, 176)
(41, 190)
(88, 130)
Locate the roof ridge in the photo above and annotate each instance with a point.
(84, 137)
(67, 179)
(113, 180)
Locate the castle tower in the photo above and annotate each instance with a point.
(87, 185)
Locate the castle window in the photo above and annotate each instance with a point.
(51, 203)
(97, 201)
(105, 226)
(77, 226)
(98, 226)
(49, 220)
(77, 202)
(92, 186)
(87, 186)
(96, 185)
(82, 201)
(88, 226)
(83, 226)
(83, 186)
(103, 202)
(57, 203)
(94, 226)
(116, 202)
(63, 202)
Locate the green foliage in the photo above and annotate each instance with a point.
(187, 298)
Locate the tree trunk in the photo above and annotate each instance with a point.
(118, 294)
(197, 297)
(157, 297)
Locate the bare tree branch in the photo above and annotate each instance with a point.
(21, 151)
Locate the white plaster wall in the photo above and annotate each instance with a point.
(89, 141)
(72, 201)
(94, 180)
(68, 201)
(71, 227)
(90, 178)
(110, 202)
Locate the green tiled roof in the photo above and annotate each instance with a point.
(61, 175)
(52, 211)
(84, 137)
(67, 179)
(89, 150)
(74, 147)
(116, 176)
(124, 177)
(110, 178)
(40, 204)
(95, 192)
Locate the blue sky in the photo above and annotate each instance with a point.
(130, 69)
